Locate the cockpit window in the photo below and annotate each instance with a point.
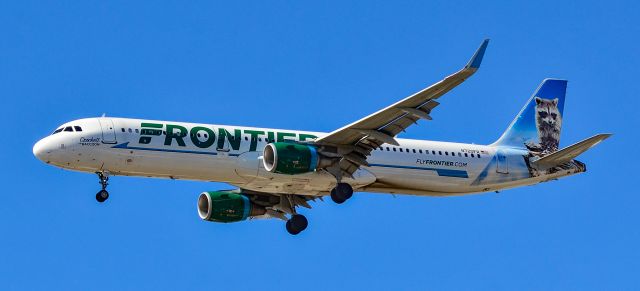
(57, 130)
(68, 128)
(77, 128)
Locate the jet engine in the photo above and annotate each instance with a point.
(227, 207)
(291, 158)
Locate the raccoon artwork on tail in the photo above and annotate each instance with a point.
(548, 125)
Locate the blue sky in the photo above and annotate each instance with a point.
(285, 64)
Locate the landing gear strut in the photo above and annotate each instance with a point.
(296, 224)
(103, 195)
(341, 193)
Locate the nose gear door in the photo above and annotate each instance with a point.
(108, 130)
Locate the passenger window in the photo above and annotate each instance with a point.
(130, 131)
(414, 151)
(446, 153)
(206, 135)
(400, 149)
(459, 154)
(394, 149)
(68, 128)
(466, 155)
(387, 148)
(77, 128)
(136, 130)
(472, 156)
(433, 152)
(420, 151)
(440, 152)
(122, 129)
(260, 139)
(246, 138)
(478, 156)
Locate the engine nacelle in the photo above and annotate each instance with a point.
(291, 158)
(227, 207)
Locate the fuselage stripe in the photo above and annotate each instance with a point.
(441, 172)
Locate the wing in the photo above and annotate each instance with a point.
(355, 141)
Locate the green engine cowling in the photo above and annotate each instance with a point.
(289, 158)
(220, 206)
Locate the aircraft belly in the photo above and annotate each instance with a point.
(314, 183)
(426, 180)
(247, 164)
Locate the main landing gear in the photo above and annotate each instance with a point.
(341, 193)
(296, 224)
(103, 195)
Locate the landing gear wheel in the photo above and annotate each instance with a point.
(341, 193)
(102, 196)
(296, 224)
(335, 198)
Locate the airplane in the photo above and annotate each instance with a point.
(276, 171)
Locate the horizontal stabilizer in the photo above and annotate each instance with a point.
(569, 153)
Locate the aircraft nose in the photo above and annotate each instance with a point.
(41, 150)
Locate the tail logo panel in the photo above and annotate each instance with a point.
(537, 127)
(548, 125)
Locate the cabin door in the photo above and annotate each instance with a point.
(108, 130)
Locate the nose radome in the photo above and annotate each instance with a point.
(39, 149)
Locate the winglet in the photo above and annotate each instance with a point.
(474, 62)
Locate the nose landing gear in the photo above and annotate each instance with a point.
(103, 195)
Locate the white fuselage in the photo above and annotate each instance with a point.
(233, 154)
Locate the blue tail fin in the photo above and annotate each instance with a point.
(537, 126)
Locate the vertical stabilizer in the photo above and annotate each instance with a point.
(537, 126)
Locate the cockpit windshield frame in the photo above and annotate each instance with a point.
(71, 128)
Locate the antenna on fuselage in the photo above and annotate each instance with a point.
(104, 114)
